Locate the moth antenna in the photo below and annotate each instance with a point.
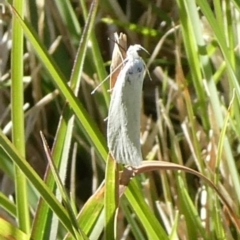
(115, 41)
(101, 83)
(148, 73)
(144, 49)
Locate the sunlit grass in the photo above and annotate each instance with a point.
(189, 121)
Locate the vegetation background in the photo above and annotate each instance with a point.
(53, 54)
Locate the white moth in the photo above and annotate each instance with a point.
(123, 128)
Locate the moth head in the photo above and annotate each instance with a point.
(133, 50)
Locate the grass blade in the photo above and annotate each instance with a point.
(17, 101)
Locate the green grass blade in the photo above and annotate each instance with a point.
(8, 231)
(194, 225)
(78, 233)
(150, 224)
(92, 226)
(193, 59)
(36, 181)
(79, 62)
(69, 18)
(135, 228)
(43, 214)
(64, 133)
(97, 57)
(17, 101)
(220, 37)
(8, 205)
(219, 33)
(87, 125)
(111, 198)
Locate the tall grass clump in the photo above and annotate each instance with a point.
(57, 179)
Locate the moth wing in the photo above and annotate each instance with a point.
(123, 131)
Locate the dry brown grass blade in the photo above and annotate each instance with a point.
(148, 166)
(118, 55)
(128, 173)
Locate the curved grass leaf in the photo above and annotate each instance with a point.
(36, 181)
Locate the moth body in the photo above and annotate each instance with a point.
(123, 128)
